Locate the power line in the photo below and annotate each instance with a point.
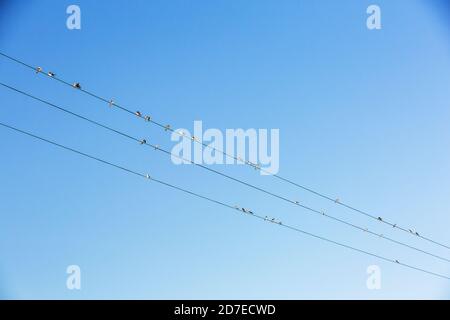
(112, 103)
(167, 152)
(223, 204)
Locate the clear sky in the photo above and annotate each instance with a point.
(363, 115)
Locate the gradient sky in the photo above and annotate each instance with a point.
(363, 115)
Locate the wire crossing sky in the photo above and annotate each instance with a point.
(112, 103)
(167, 152)
(230, 206)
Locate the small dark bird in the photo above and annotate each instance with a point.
(147, 176)
(380, 219)
(417, 234)
(111, 102)
(138, 113)
(147, 118)
(143, 141)
(38, 69)
(50, 74)
(397, 261)
(167, 127)
(77, 85)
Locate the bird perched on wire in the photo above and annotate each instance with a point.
(147, 118)
(138, 113)
(167, 127)
(50, 74)
(111, 102)
(380, 218)
(38, 70)
(77, 85)
(147, 176)
(143, 141)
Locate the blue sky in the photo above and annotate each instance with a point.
(363, 115)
